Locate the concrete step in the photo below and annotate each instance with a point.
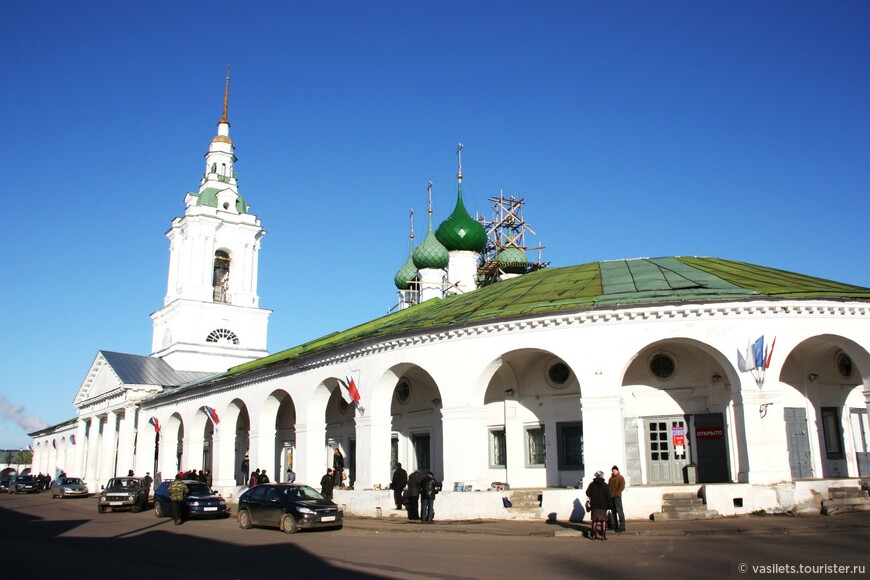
(679, 495)
(847, 493)
(683, 508)
(829, 509)
(693, 501)
(685, 516)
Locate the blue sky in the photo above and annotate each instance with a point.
(729, 129)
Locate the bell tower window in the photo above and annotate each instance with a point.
(221, 278)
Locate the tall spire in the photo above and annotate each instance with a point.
(227, 99)
(459, 175)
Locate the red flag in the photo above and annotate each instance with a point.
(770, 354)
(351, 388)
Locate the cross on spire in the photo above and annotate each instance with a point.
(226, 98)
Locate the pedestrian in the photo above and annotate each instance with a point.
(130, 473)
(338, 466)
(616, 485)
(291, 475)
(429, 487)
(255, 478)
(148, 481)
(245, 467)
(400, 480)
(208, 478)
(413, 495)
(599, 501)
(263, 477)
(327, 482)
(177, 490)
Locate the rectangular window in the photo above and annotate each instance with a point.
(536, 451)
(833, 433)
(569, 437)
(497, 447)
(421, 451)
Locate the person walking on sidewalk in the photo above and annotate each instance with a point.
(327, 482)
(616, 484)
(414, 495)
(400, 480)
(177, 490)
(428, 488)
(599, 501)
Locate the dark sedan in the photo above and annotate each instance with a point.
(199, 502)
(287, 506)
(23, 484)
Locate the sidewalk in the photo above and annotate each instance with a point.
(748, 525)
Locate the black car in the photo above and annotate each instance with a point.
(4, 483)
(287, 506)
(23, 484)
(199, 502)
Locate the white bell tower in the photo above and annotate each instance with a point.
(211, 320)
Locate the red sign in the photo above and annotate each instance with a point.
(709, 433)
(679, 440)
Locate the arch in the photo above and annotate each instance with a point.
(531, 396)
(279, 412)
(221, 275)
(238, 431)
(416, 421)
(172, 447)
(824, 378)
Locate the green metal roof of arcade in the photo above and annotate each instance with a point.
(613, 284)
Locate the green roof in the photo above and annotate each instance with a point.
(597, 285)
(431, 253)
(208, 197)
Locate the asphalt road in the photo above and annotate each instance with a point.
(43, 537)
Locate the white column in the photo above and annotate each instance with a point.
(265, 443)
(373, 435)
(310, 453)
(107, 447)
(603, 435)
(761, 438)
(465, 429)
(126, 433)
(91, 452)
(224, 461)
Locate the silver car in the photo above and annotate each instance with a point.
(69, 487)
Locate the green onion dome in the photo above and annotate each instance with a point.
(512, 261)
(430, 253)
(460, 231)
(406, 273)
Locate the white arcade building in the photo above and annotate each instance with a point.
(536, 380)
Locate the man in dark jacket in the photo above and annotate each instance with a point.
(400, 480)
(428, 488)
(327, 482)
(413, 495)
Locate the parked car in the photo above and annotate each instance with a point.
(64, 487)
(23, 484)
(287, 506)
(123, 493)
(199, 502)
(4, 483)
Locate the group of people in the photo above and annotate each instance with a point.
(259, 476)
(414, 491)
(605, 503)
(194, 475)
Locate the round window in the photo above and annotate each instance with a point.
(844, 364)
(662, 366)
(558, 373)
(403, 391)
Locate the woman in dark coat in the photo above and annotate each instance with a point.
(599, 501)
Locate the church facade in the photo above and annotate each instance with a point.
(747, 385)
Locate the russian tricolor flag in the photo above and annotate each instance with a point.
(212, 415)
(154, 423)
